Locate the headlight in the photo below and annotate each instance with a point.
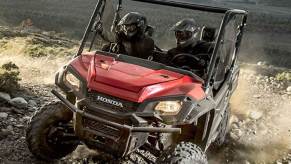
(72, 80)
(169, 107)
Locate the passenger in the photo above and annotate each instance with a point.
(131, 38)
(186, 33)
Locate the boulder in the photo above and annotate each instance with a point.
(4, 97)
(19, 102)
(3, 115)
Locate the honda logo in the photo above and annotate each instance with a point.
(109, 101)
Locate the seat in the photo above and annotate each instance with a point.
(208, 34)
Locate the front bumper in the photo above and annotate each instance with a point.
(117, 137)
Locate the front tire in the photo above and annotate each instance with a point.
(40, 130)
(183, 153)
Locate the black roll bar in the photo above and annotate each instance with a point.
(228, 15)
(186, 5)
(89, 27)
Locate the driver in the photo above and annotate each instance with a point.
(186, 33)
(131, 38)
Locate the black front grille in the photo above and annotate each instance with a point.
(103, 129)
(112, 103)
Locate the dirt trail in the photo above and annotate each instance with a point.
(260, 131)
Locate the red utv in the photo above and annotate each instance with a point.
(118, 104)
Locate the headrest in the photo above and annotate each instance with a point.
(208, 34)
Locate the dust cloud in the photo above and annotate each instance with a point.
(32, 70)
(267, 137)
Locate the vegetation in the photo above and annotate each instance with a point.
(34, 44)
(42, 50)
(284, 76)
(9, 77)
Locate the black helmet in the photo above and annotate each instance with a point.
(186, 32)
(133, 24)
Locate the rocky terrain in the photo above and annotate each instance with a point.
(261, 106)
(260, 125)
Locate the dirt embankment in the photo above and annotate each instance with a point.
(259, 133)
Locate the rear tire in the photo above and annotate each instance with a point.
(40, 127)
(183, 153)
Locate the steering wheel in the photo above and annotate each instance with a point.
(184, 58)
(189, 62)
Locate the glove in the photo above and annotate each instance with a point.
(202, 62)
(98, 27)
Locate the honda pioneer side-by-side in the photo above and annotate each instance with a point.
(117, 103)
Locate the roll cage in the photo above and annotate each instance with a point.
(210, 79)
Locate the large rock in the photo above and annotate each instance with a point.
(3, 115)
(288, 89)
(19, 102)
(4, 97)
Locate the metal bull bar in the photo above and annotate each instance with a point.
(119, 126)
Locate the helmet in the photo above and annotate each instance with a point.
(132, 25)
(186, 32)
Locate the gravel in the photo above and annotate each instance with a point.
(260, 126)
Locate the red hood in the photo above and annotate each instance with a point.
(131, 77)
(133, 82)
